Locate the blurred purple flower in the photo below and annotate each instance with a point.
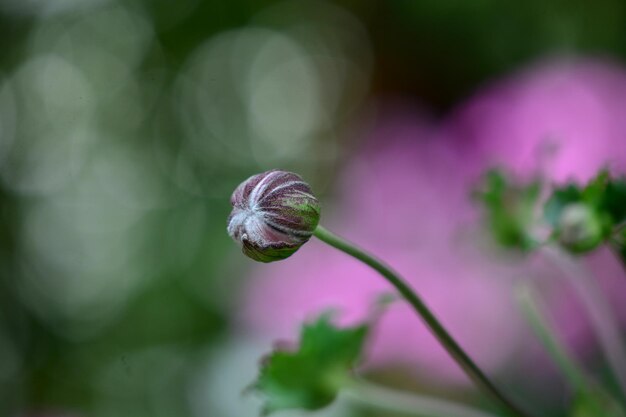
(566, 116)
(405, 197)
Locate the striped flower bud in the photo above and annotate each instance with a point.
(274, 213)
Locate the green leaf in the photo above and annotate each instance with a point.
(561, 198)
(509, 209)
(593, 195)
(614, 200)
(310, 376)
(595, 402)
(584, 217)
(594, 192)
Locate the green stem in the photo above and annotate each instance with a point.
(380, 397)
(599, 310)
(451, 346)
(557, 351)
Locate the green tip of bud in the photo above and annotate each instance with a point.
(274, 214)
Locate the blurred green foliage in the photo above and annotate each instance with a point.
(510, 209)
(596, 402)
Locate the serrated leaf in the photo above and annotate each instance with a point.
(593, 195)
(310, 376)
(509, 209)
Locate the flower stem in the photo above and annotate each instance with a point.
(442, 335)
(598, 308)
(377, 396)
(559, 353)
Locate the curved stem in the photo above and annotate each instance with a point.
(377, 396)
(598, 308)
(442, 335)
(559, 353)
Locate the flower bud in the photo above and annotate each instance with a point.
(580, 229)
(274, 213)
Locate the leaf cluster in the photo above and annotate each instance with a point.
(601, 208)
(509, 209)
(580, 217)
(310, 376)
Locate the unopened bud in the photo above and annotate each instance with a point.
(274, 213)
